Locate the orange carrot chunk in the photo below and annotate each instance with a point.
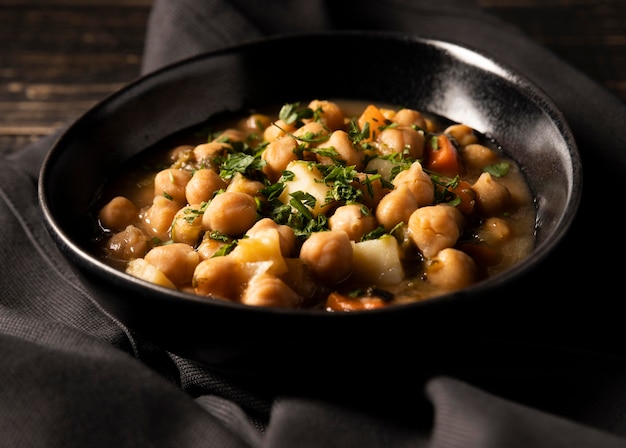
(373, 119)
(442, 157)
(340, 302)
(467, 197)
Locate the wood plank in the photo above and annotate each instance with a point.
(109, 3)
(591, 36)
(59, 57)
(63, 57)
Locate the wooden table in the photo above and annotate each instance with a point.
(59, 57)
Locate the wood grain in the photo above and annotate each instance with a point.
(59, 57)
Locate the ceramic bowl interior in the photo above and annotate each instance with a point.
(428, 75)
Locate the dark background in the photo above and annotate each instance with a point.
(59, 57)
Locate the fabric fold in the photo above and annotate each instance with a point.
(71, 375)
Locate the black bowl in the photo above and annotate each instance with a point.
(429, 75)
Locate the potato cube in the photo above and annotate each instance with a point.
(140, 268)
(308, 179)
(261, 253)
(378, 261)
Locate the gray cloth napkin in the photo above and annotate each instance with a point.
(71, 375)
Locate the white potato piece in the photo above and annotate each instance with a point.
(140, 268)
(378, 261)
(382, 166)
(307, 178)
(286, 235)
(261, 252)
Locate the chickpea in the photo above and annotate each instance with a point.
(158, 218)
(462, 133)
(208, 247)
(492, 198)
(350, 219)
(521, 195)
(219, 277)
(401, 140)
(435, 227)
(277, 155)
(181, 154)
(409, 117)
(286, 234)
(277, 129)
(396, 207)
(476, 156)
(329, 254)
(418, 182)
(340, 141)
(230, 135)
(495, 231)
(256, 123)
(300, 278)
(431, 126)
(177, 261)
(142, 193)
(118, 213)
(205, 153)
(270, 291)
(172, 183)
(373, 190)
(311, 134)
(187, 224)
(231, 213)
(203, 185)
(242, 184)
(451, 269)
(128, 244)
(330, 114)
(389, 114)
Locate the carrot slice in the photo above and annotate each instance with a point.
(374, 119)
(467, 195)
(340, 302)
(443, 158)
